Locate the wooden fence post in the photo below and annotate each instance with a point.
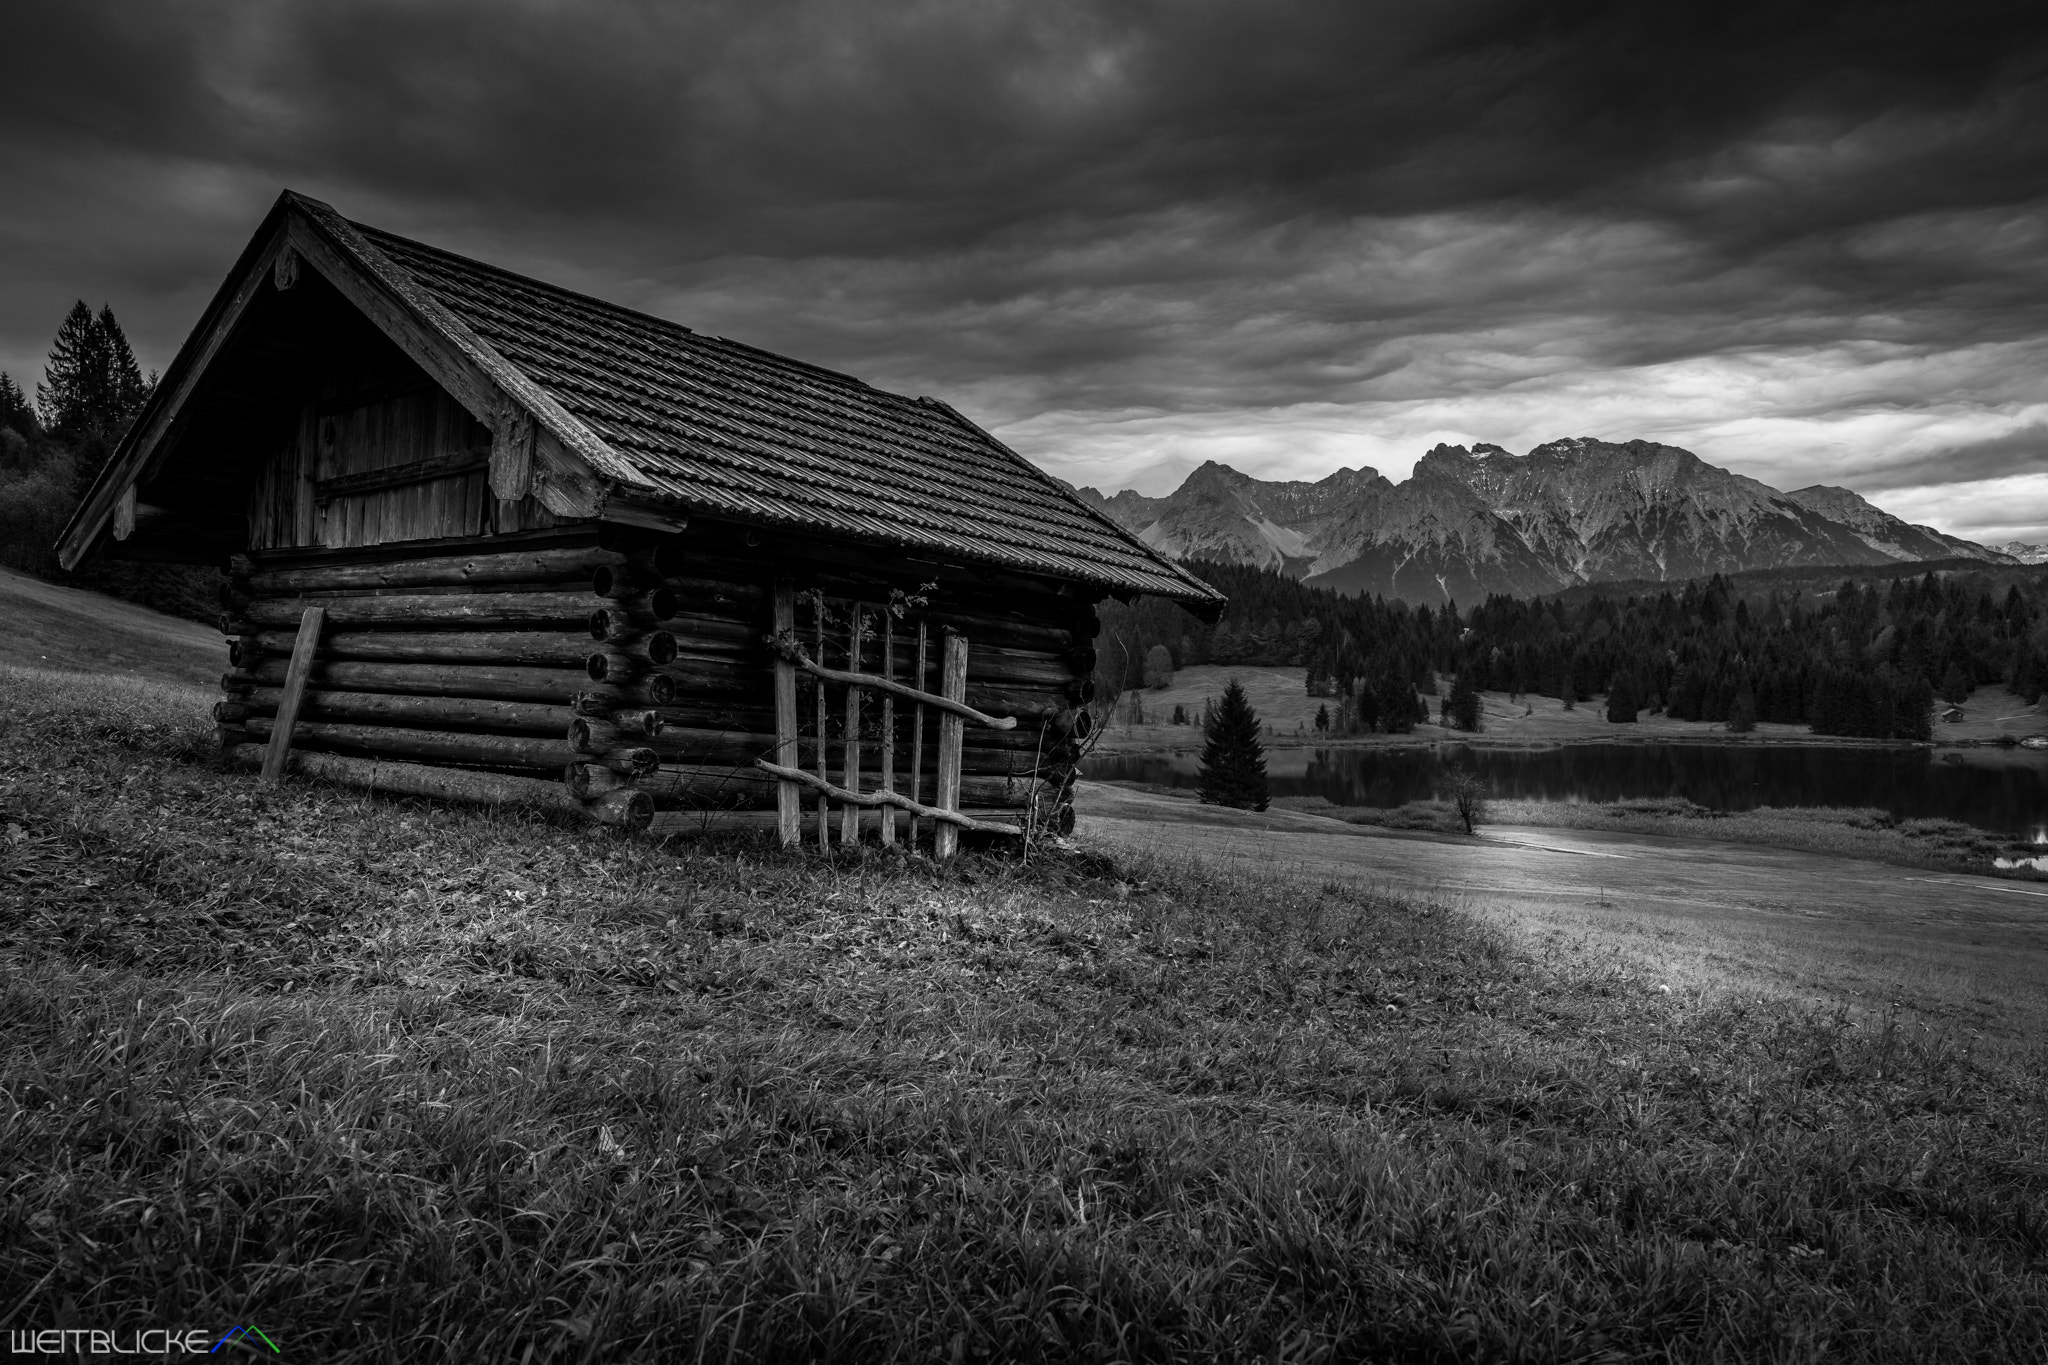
(294, 689)
(849, 767)
(888, 726)
(953, 687)
(789, 812)
(818, 686)
(917, 737)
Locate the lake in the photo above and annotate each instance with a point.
(2003, 790)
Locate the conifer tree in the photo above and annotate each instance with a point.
(15, 413)
(73, 375)
(92, 387)
(1461, 707)
(1621, 701)
(1742, 711)
(1233, 771)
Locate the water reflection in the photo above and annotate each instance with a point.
(2001, 790)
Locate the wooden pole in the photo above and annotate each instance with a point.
(849, 763)
(569, 609)
(294, 689)
(462, 570)
(953, 686)
(888, 726)
(917, 738)
(422, 779)
(551, 685)
(789, 799)
(824, 805)
(436, 746)
(383, 708)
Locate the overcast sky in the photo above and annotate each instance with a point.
(1808, 242)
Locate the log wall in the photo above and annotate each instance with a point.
(614, 661)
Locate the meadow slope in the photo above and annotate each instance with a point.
(392, 1080)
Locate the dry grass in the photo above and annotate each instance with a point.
(393, 1080)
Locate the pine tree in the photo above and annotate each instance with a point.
(72, 385)
(15, 413)
(92, 387)
(1461, 707)
(1621, 701)
(1323, 718)
(127, 390)
(1742, 711)
(1233, 771)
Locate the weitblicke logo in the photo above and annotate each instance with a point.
(157, 1341)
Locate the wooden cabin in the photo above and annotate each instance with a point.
(567, 554)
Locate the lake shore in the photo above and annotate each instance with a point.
(1990, 718)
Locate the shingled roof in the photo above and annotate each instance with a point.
(664, 416)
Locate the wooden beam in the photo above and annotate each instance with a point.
(950, 705)
(511, 455)
(888, 725)
(849, 763)
(124, 513)
(560, 480)
(949, 819)
(789, 802)
(294, 690)
(449, 466)
(917, 729)
(818, 688)
(953, 687)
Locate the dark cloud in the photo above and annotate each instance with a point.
(1191, 210)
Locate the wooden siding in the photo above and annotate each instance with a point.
(376, 412)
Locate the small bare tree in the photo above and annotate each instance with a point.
(1467, 791)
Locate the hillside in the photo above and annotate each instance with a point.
(49, 626)
(370, 1074)
(1471, 522)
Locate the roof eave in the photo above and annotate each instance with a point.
(663, 512)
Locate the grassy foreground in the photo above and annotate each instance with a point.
(396, 1081)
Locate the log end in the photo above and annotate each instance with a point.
(622, 809)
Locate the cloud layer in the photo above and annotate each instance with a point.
(1809, 242)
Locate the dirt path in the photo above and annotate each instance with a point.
(1704, 915)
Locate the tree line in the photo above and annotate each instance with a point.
(1870, 655)
(52, 448)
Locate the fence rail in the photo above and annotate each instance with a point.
(948, 703)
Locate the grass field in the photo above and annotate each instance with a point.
(48, 626)
(1280, 697)
(397, 1081)
(1947, 845)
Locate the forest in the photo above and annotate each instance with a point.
(52, 449)
(1869, 654)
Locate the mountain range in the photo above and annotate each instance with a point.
(1471, 521)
